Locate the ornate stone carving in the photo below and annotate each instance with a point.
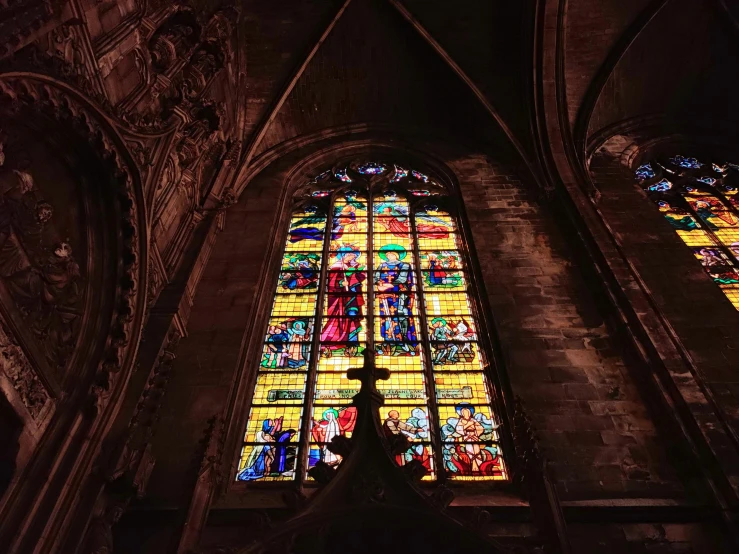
(22, 18)
(38, 266)
(199, 135)
(22, 375)
(174, 40)
(19, 93)
(54, 55)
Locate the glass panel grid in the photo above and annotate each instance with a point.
(705, 221)
(272, 440)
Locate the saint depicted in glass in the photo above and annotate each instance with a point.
(372, 261)
(699, 200)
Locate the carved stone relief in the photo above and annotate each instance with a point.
(16, 367)
(38, 265)
(56, 273)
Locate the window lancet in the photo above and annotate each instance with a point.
(373, 260)
(700, 202)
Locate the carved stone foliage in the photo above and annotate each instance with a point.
(15, 365)
(56, 275)
(199, 135)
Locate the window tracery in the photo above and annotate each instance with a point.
(700, 202)
(373, 259)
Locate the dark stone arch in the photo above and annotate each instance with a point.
(80, 138)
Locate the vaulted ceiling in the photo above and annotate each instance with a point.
(484, 69)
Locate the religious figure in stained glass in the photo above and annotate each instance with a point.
(394, 283)
(467, 453)
(275, 457)
(333, 423)
(344, 298)
(302, 272)
(370, 263)
(416, 427)
(699, 200)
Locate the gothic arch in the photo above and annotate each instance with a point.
(664, 270)
(309, 160)
(113, 262)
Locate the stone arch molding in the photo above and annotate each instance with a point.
(112, 312)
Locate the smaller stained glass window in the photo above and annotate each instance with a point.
(699, 200)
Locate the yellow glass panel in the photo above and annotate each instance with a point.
(447, 303)
(457, 387)
(695, 237)
(387, 358)
(404, 388)
(732, 293)
(294, 305)
(334, 388)
(266, 421)
(437, 241)
(728, 236)
(343, 242)
(357, 201)
(433, 210)
(392, 242)
(280, 388)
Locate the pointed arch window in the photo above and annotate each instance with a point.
(373, 259)
(699, 199)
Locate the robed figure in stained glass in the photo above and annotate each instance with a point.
(333, 423)
(394, 282)
(344, 299)
(272, 456)
(467, 456)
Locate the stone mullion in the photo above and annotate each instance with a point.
(301, 462)
(428, 368)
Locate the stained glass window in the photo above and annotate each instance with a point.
(373, 259)
(700, 202)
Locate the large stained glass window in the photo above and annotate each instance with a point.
(372, 260)
(699, 200)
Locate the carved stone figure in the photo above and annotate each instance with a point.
(100, 532)
(41, 274)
